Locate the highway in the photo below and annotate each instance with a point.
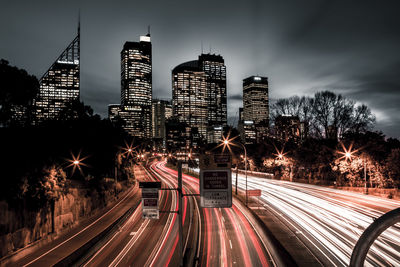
(211, 237)
(56, 250)
(227, 236)
(144, 242)
(329, 221)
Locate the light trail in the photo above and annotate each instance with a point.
(217, 239)
(330, 220)
(83, 230)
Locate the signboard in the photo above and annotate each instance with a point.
(215, 161)
(254, 193)
(216, 188)
(150, 199)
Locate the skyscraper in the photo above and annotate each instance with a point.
(215, 70)
(60, 85)
(136, 87)
(199, 95)
(189, 96)
(160, 113)
(256, 104)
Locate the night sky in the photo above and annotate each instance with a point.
(301, 46)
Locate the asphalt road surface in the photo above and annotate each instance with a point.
(329, 221)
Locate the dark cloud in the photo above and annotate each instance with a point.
(350, 47)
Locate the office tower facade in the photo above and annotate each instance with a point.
(161, 110)
(199, 96)
(246, 129)
(136, 88)
(113, 111)
(60, 85)
(214, 68)
(288, 127)
(189, 96)
(256, 104)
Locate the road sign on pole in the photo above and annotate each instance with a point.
(150, 199)
(254, 193)
(215, 181)
(215, 188)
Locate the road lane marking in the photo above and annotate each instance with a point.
(84, 229)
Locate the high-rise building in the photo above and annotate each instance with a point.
(189, 96)
(136, 88)
(256, 104)
(215, 70)
(288, 127)
(161, 110)
(113, 111)
(60, 85)
(199, 96)
(246, 129)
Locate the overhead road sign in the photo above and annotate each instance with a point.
(150, 208)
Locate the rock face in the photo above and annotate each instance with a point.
(19, 228)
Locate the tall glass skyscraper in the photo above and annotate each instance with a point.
(60, 84)
(136, 88)
(256, 104)
(215, 70)
(189, 96)
(199, 95)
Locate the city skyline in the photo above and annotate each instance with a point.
(314, 50)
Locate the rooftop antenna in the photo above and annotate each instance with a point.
(202, 46)
(148, 30)
(79, 22)
(210, 48)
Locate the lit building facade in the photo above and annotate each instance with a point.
(256, 104)
(136, 87)
(288, 127)
(161, 111)
(60, 85)
(189, 96)
(246, 129)
(113, 111)
(214, 68)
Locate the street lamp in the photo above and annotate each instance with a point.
(76, 162)
(348, 155)
(226, 142)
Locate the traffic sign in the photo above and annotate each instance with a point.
(215, 161)
(216, 188)
(150, 199)
(254, 193)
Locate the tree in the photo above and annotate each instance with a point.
(326, 115)
(17, 92)
(393, 166)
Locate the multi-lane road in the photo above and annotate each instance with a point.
(326, 221)
(329, 221)
(211, 237)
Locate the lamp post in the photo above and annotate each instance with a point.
(348, 154)
(226, 143)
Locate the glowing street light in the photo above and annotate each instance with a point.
(226, 142)
(348, 155)
(76, 162)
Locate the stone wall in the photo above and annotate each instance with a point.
(22, 228)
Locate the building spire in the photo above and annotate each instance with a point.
(148, 30)
(79, 23)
